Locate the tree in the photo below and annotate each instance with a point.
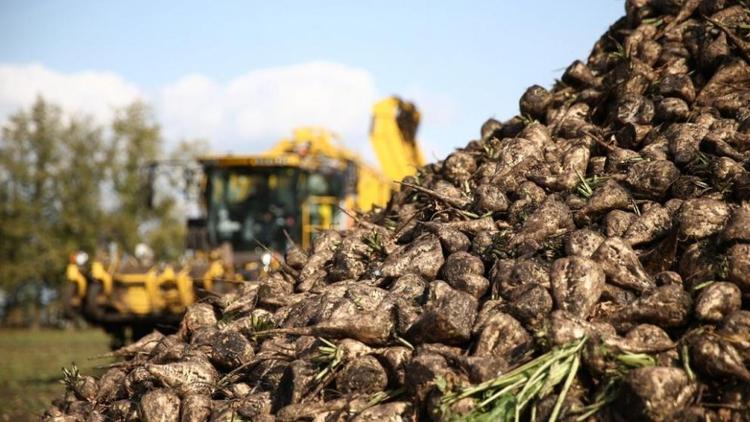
(29, 161)
(65, 186)
(51, 170)
(136, 143)
(143, 212)
(79, 187)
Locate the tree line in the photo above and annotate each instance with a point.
(68, 183)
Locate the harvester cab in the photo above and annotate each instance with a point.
(259, 203)
(256, 205)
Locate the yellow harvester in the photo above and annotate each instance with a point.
(250, 204)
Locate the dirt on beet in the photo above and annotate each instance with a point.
(588, 259)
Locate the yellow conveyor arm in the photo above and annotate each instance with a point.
(393, 136)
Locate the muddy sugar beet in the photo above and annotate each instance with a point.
(588, 259)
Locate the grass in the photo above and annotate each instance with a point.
(330, 356)
(31, 363)
(586, 185)
(374, 242)
(506, 397)
(509, 396)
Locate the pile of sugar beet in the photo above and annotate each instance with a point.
(588, 259)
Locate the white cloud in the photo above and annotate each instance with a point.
(247, 113)
(92, 93)
(253, 110)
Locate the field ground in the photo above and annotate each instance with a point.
(31, 363)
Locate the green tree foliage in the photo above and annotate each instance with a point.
(83, 167)
(136, 145)
(67, 184)
(30, 157)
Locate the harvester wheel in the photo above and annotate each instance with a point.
(117, 335)
(141, 330)
(91, 307)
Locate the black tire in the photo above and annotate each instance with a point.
(117, 338)
(141, 330)
(91, 309)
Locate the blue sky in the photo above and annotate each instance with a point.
(462, 62)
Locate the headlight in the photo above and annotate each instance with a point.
(81, 258)
(143, 251)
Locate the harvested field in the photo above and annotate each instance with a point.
(31, 363)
